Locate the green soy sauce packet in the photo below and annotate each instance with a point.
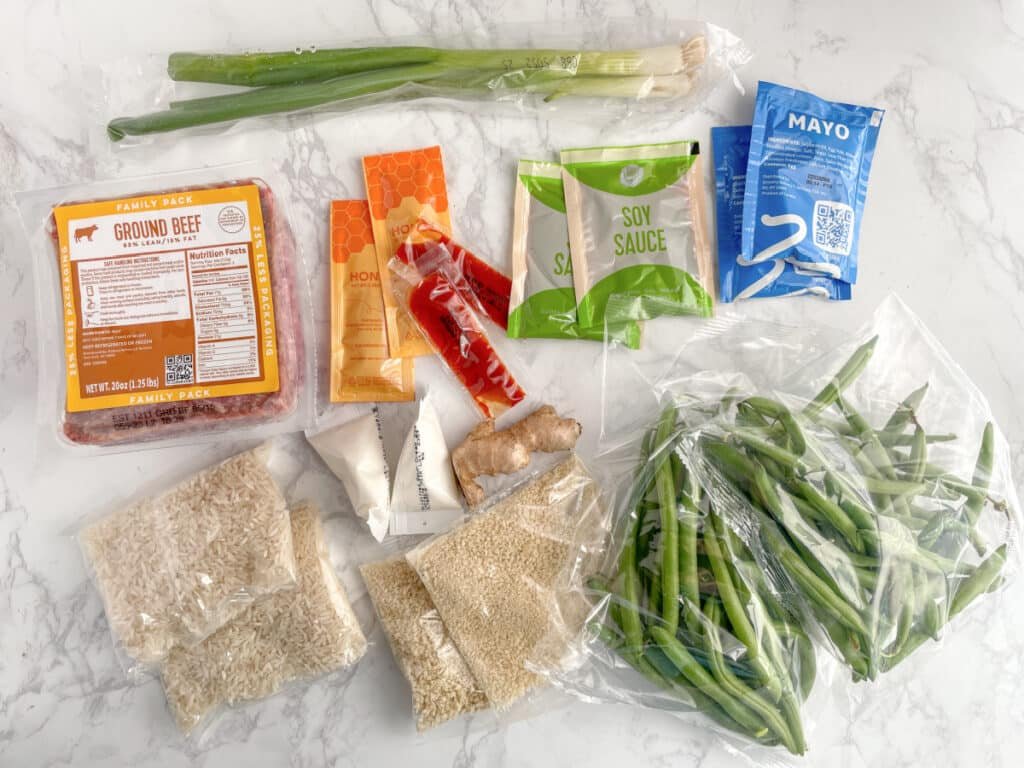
(638, 232)
(543, 302)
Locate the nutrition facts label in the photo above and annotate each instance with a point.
(227, 343)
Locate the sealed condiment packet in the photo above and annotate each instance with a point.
(543, 302)
(739, 278)
(437, 305)
(807, 180)
(354, 451)
(486, 287)
(637, 232)
(361, 369)
(424, 498)
(403, 188)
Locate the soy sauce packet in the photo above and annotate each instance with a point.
(807, 180)
(738, 278)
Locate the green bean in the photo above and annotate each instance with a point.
(741, 626)
(679, 685)
(874, 451)
(978, 582)
(776, 410)
(905, 411)
(728, 681)
(689, 580)
(817, 590)
(897, 441)
(629, 592)
(846, 375)
(904, 583)
(669, 526)
(832, 512)
(982, 474)
(678, 654)
(787, 459)
(918, 455)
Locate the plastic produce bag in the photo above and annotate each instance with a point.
(442, 685)
(590, 67)
(174, 568)
(294, 635)
(494, 579)
(681, 616)
(870, 477)
(885, 499)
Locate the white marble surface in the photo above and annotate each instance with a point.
(943, 227)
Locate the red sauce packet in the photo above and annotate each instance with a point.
(483, 285)
(448, 321)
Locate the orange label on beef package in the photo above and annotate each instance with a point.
(166, 298)
(403, 188)
(361, 370)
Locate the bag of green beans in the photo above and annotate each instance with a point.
(780, 485)
(872, 478)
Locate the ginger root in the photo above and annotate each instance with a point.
(489, 452)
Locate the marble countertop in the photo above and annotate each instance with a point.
(943, 228)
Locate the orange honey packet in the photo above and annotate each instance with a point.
(361, 369)
(404, 188)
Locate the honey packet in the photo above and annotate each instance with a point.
(404, 189)
(361, 369)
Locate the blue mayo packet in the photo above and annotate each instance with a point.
(807, 178)
(730, 148)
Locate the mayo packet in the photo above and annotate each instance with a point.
(637, 232)
(361, 370)
(739, 279)
(404, 188)
(807, 178)
(425, 498)
(543, 303)
(354, 451)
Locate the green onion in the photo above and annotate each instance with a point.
(295, 81)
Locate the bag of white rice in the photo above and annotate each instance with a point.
(493, 579)
(294, 635)
(442, 685)
(174, 568)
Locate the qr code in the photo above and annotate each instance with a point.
(178, 369)
(833, 227)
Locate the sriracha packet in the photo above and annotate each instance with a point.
(447, 319)
(361, 370)
(404, 188)
(485, 287)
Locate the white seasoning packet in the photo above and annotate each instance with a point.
(354, 452)
(425, 498)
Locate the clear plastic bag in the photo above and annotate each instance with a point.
(291, 636)
(183, 315)
(871, 478)
(494, 579)
(446, 312)
(442, 685)
(174, 568)
(726, 649)
(653, 65)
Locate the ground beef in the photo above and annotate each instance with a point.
(132, 424)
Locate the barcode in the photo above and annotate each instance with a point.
(833, 227)
(178, 369)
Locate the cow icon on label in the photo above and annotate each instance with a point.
(86, 232)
